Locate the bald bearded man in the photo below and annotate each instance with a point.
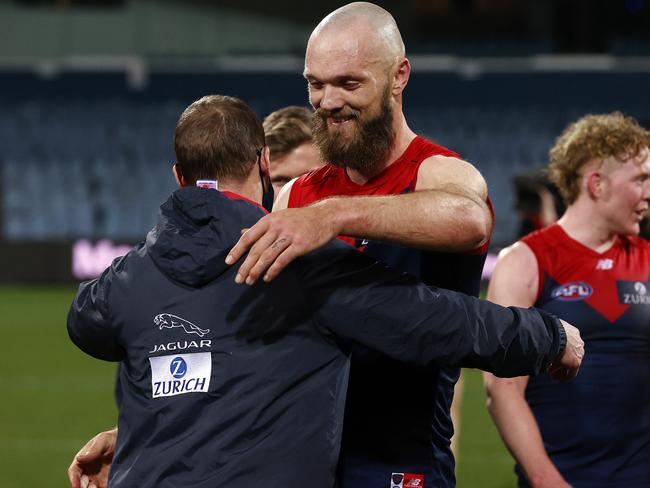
(383, 184)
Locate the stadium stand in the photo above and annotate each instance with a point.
(98, 166)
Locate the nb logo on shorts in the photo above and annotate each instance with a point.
(406, 480)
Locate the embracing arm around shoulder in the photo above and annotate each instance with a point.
(448, 211)
(515, 282)
(362, 301)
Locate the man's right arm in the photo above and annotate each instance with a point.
(515, 282)
(362, 301)
(91, 329)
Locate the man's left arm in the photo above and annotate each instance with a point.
(448, 211)
(362, 301)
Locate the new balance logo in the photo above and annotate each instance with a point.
(406, 480)
(605, 264)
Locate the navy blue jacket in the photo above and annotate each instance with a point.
(225, 383)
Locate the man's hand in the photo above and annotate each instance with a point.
(566, 367)
(279, 238)
(90, 467)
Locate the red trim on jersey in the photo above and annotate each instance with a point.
(237, 196)
(536, 245)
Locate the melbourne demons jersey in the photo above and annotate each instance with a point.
(397, 419)
(596, 428)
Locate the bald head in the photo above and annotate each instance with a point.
(362, 27)
(356, 73)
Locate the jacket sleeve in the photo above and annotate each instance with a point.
(361, 301)
(89, 320)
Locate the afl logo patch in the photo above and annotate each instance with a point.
(572, 292)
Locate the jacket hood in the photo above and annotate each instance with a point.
(195, 230)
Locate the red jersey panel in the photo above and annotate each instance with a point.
(399, 177)
(582, 274)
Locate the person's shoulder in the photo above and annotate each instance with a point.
(133, 257)
(552, 247)
(516, 255)
(430, 148)
(123, 269)
(317, 176)
(636, 242)
(544, 237)
(515, 278)
(315, 185)
(438, 169)
(248, 206)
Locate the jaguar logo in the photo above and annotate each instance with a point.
(169, 321)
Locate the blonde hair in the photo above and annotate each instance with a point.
(286, 129)
(593, 138)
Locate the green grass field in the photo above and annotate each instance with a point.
(54, 398)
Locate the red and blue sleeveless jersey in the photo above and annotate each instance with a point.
(397, 417)
(596, 428)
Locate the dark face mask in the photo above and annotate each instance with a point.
(268, 194)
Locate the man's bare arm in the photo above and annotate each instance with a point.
(447, 212)
(515, 282)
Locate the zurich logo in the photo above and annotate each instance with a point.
(571, 292)
(178, 367)
(640, 288)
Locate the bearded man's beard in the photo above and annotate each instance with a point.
(366, 149)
